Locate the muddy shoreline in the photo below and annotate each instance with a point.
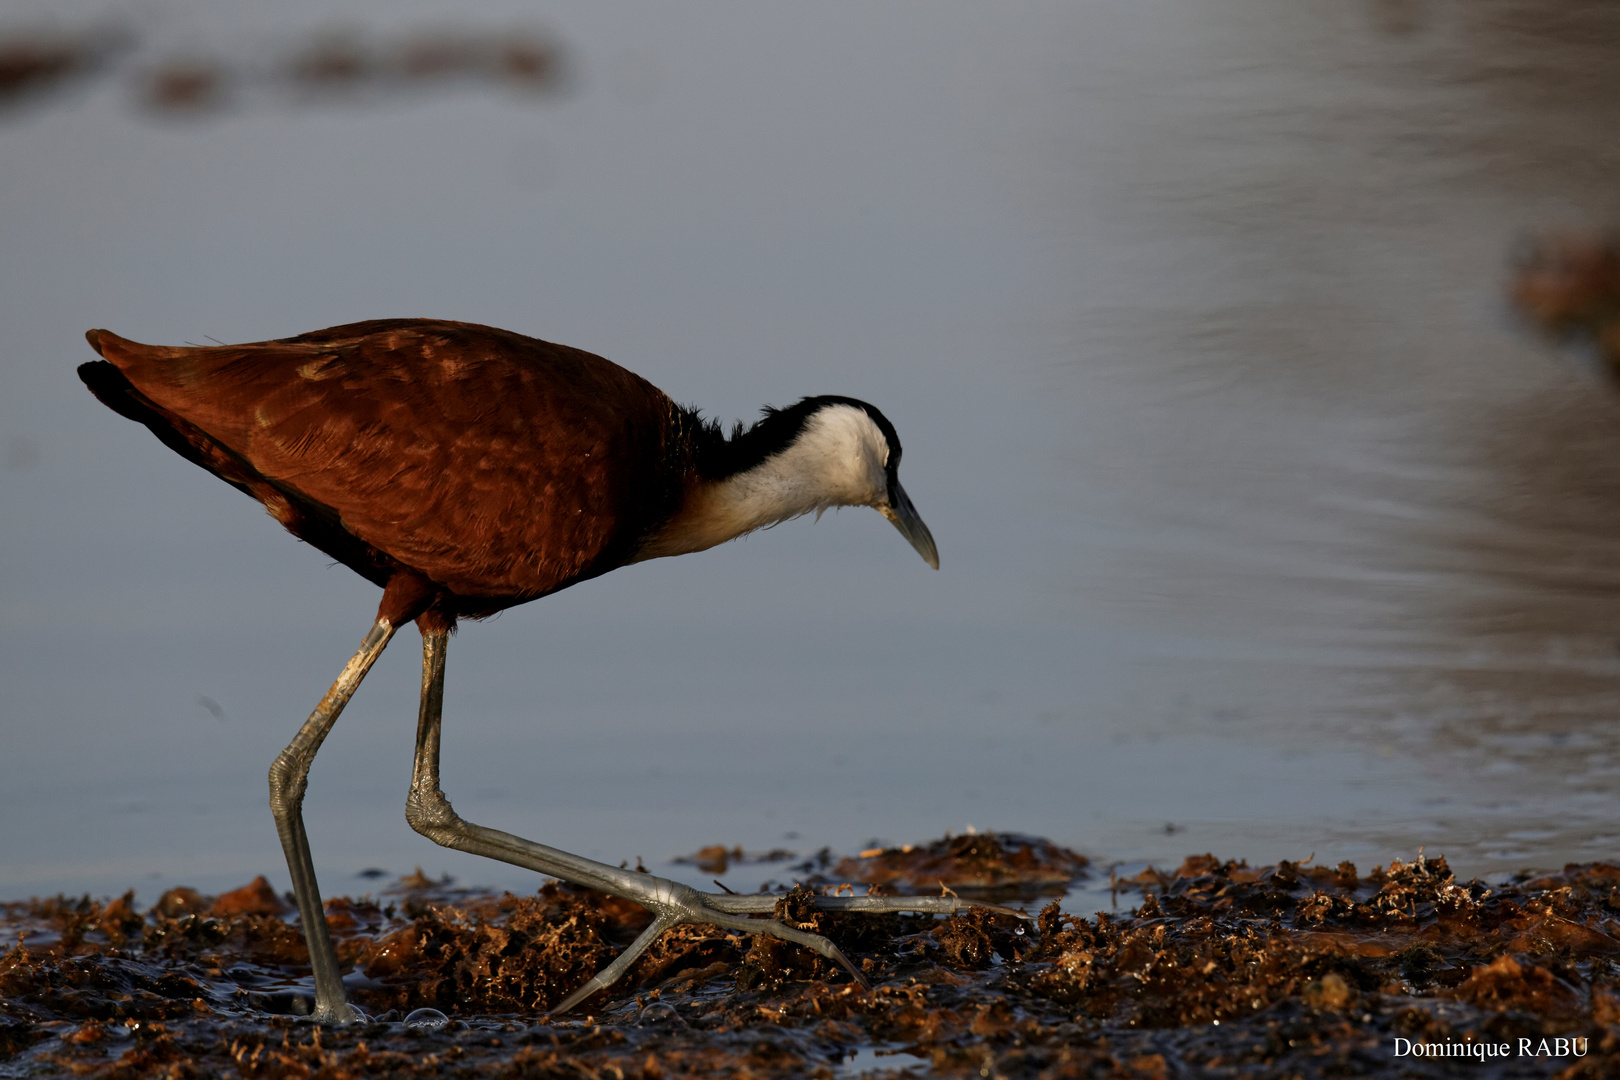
(1213, 969)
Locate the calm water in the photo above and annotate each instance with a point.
(1265, 531)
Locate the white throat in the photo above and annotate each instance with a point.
(838, 459)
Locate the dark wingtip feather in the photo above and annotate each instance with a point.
(110, 387)
(94, 338)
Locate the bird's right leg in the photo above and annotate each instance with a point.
(289, 776)
(671, 902)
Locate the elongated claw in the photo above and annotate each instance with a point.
(610, 974)
(814, 942)
(674, 903)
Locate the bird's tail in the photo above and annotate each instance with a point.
(115, 391)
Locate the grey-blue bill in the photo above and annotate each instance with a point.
(904, 516)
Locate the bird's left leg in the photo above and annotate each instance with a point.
(671, 902)
(289, 776)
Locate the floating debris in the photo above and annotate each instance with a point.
(35, 62)
(347, 67)
(329, 66)
(185, 86)
(717, 858)
(332, 64)
(990, 865)
(1568, 285)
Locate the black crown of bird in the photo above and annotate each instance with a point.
(466, 469)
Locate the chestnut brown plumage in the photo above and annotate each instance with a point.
(464, 470)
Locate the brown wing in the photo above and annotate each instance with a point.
(495, 465)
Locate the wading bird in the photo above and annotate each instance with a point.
(464, 470)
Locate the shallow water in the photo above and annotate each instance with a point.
(1265, 530)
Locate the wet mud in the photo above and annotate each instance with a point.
(1211, 969)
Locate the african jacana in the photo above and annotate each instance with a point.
(466, 469)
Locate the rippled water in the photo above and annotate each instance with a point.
(1265, 529)
(1347, 477)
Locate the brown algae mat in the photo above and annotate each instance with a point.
(1214, 969)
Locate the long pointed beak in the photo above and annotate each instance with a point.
(904, 516)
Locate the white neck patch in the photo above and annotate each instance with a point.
(838, 459)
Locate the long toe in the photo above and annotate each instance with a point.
(673, 903)
(621, 964)
(872, 905)
(813, 942)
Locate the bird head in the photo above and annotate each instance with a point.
(821, 453)
(850, 454)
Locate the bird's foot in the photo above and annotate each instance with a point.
(673, 903)
(338, 1014)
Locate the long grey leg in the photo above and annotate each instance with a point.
(289, 776)
(671, 902)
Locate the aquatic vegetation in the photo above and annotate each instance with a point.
(1218, 969)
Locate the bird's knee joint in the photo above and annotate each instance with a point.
(288, 781)
(431, 814)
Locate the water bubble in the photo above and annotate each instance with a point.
(427, 1020)
(659, 1013)
(1019, 931)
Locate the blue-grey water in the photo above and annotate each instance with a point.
(1265, 530)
